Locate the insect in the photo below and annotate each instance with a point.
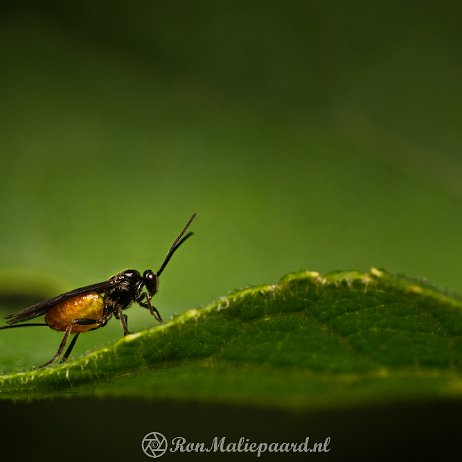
(91, 307)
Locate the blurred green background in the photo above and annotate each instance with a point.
(317, 135)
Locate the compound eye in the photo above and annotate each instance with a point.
(148, 276)
(151, 281)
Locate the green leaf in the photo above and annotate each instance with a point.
(310, 341)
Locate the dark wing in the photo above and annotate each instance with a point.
(41, 308)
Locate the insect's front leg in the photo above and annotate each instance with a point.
(152, 309)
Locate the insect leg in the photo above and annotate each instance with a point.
(70, 347)
(152, 309)
(61, 346)
(123, 319)
(32, 324)
(79, 321)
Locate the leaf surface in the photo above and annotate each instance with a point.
(310, 341)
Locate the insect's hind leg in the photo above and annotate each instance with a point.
(31, 324)
(70, 347)
(62, 345)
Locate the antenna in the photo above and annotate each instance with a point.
(176, 243)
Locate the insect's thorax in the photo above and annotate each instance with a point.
(126, 289)
(115, 298)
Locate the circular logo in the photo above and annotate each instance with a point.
(154, 444)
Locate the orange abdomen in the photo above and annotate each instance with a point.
(89, 306)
